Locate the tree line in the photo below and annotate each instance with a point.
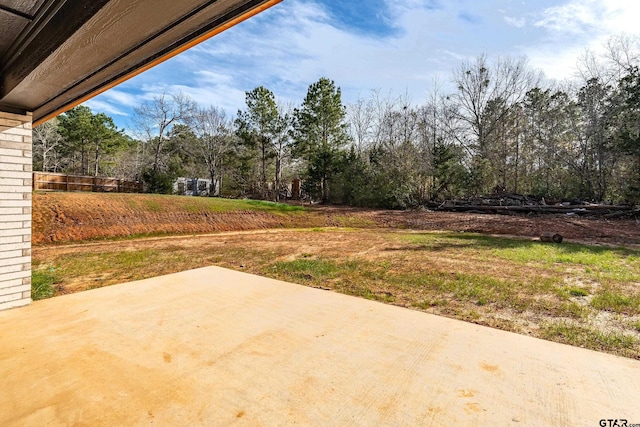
(503, 128)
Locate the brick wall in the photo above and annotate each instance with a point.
(15, 210)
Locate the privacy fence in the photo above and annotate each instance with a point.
(46, 181)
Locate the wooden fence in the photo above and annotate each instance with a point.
(46, 181)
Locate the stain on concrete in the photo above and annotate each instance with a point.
(490, 368)
(471, 408)
(466, 393)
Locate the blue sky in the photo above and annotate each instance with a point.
(399, 47)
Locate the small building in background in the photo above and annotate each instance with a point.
(194, 187)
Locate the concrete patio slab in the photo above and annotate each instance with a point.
(217, 347)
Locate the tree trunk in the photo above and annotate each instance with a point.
(97, 158)
(517, 161)
(264, 165)
(156, 159)
(82, 161)
(220, 181)
(212, 176)
(277, 198)
(325, 190)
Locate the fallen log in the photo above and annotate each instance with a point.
(551, 237)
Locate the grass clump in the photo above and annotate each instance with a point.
(273, 207)
(367, 293)
(578, 292)
(305, 269)
(153, 205)
(43, 284)
(430, 303)
(616, 302)
(473, 288)
(572, 310)
(586, 337)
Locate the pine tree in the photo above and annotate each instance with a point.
(321, 135)
(265, 127)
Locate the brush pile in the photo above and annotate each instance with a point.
(511, 203)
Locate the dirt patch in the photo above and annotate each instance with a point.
(76, 217)
(614, 231)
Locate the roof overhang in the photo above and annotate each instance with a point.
(55, 54)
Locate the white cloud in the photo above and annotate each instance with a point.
(578, 26)
(222, 95)
(457, 56)
(315, 48)
(120, 97)
(592, 17)
(515, 22)
(307, 46)
(575, 17)
(556, 62)
(103, 106)
(293, 44)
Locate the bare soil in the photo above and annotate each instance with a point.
(75, 217)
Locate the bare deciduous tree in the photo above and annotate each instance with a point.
(155, 119)
(46, 141)
(361, 116)
(487, 93)
(215, 137)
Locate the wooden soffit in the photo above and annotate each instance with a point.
(55, 54)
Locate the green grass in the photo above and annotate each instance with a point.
(90, 263)
(110, 267)
(382, 296)
(169, 203)
(602, 264)
(578, 292)
(154, 205)
(220, 205)
(582, 336)
(464, 287)
(352, 277)
(272, 206)
(375, 281)
(617, 302)
(572, 310)
(43, 284)
(306, 269)
(367, 279)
